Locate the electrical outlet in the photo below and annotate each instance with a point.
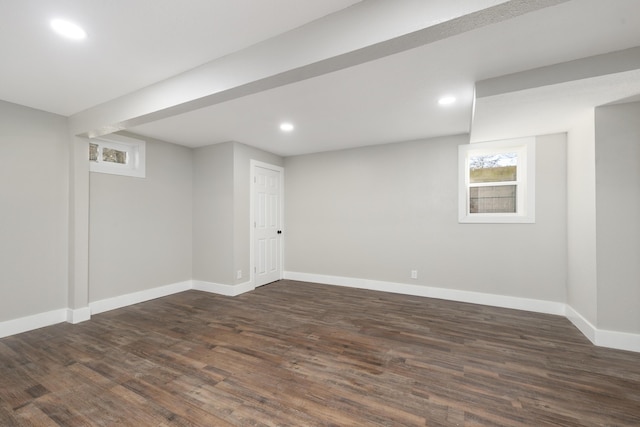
(414, 274)
(239, 274)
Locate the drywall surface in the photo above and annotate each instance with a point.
(213, 213)
(34, 146)
(617, 130)
(140, 229)
(379, 212)
(581, 219)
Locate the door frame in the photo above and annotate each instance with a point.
(252, 178)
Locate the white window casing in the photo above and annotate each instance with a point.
(522, 150)
(134, 160)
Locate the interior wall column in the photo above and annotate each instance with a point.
(78, 288)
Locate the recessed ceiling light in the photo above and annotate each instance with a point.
(68, 29)
(286, 127)
(447, 100)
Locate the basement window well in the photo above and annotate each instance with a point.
(497, 182)
(117, 155)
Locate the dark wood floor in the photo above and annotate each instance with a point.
(301, 354)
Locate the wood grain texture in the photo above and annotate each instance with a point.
(301, 354)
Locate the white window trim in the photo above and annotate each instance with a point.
(526, 193)
(136, 153)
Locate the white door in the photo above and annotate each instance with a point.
(267, 233)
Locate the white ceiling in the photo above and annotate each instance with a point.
(395, 98)
(549, 109)
(130, 44)
(387, 100)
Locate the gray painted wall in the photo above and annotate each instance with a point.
(379, 212)
(581, 219)
(34, 147)
(617, 130)
(221, 211)
(373, 213)
(213, 200)
(140, 228)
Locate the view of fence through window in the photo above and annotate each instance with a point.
(492, 183)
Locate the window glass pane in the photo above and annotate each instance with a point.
(93, 152)
(114, 156)
(499, 167)
(493, 199)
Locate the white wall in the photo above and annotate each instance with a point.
(617, 130)
(140, 228)
(34, 147)
(581, 219)
(379, 212)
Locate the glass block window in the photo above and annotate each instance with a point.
(112, 155)
(117, 155)
(93, 152)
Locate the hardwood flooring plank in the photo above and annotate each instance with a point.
(301, 354)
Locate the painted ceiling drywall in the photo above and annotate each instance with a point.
(395, 98)
(552, 108)
(137, 43)
(130, 43)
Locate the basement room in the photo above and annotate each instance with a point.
(320, 213)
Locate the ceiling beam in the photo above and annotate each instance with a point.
(579, 69)
(337, 41)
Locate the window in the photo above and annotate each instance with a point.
(118, 155)
(497, 181)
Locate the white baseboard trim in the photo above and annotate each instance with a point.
(78, 315)
(618, 340)
(120, 301)
(539, 306)
(227, 290)
(599, 337)
(40, 320)
(29, 323)
(583, 325)
(602, 337)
